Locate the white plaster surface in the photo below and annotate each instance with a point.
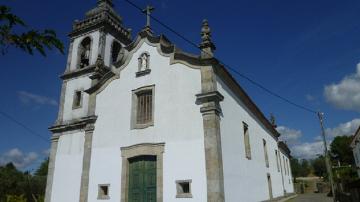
(246, 178)
(177, 123)
(68, 168)
(73, 85)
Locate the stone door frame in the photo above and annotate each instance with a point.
(152, 149)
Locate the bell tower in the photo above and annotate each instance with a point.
(94, 36)
(98, 38)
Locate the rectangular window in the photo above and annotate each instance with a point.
(103, 191)
(277, 160)
(77, 99)
(247, 141)
(287, 166)
(280, 163)
(266, 153)
(143, 107)
(284, 165)
(183, 189)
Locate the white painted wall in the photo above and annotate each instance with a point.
(177, 123)
(246, 180)
(81, 83)
(286, 171)
(68, 168)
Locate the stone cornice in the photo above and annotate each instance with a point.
(282, 145)
(101, 82)
(209, 97)
(77, 72)
(73, 124)
(107, 26)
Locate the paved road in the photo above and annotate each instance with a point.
(311, 198)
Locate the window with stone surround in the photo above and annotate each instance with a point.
(247, 141)
(77, 100)
(284, 165)
(103, 191)
(115, 51)
(143, 107)
(266, 153)
(287, 167)
(183, 189)
(277, 160)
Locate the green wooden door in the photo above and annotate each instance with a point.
(142, 179)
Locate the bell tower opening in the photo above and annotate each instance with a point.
(115, 51)
(84, 53)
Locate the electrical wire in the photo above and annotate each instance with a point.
(32, 132)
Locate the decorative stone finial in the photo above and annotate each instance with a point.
(273, 120)
(206, 45)
(102, 2)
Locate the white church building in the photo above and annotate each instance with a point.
(142, 121)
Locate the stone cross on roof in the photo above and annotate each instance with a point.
(148, 11)
(109, 2)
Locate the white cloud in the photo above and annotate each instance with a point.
(27, 98)
(346, 93)
(18, 158)
(307, 150)
(288, 135)
(348, 128)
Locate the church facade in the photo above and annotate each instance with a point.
(141, 120)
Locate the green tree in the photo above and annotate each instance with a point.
(295, 168)
(340, 149)
(16, 185)
(43, 169)
(15, 198)
(27, 41)
(319, 166)
(305, 168)
(11, 181)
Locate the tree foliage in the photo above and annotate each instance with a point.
(17, 186)
(27, 41)
(340, 149)
(300, 168)
(43, 169)
(319, 166)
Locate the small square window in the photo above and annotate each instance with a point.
(103, 192)
(77, 99)
(183, 189)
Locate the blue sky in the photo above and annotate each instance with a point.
(306, 51)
